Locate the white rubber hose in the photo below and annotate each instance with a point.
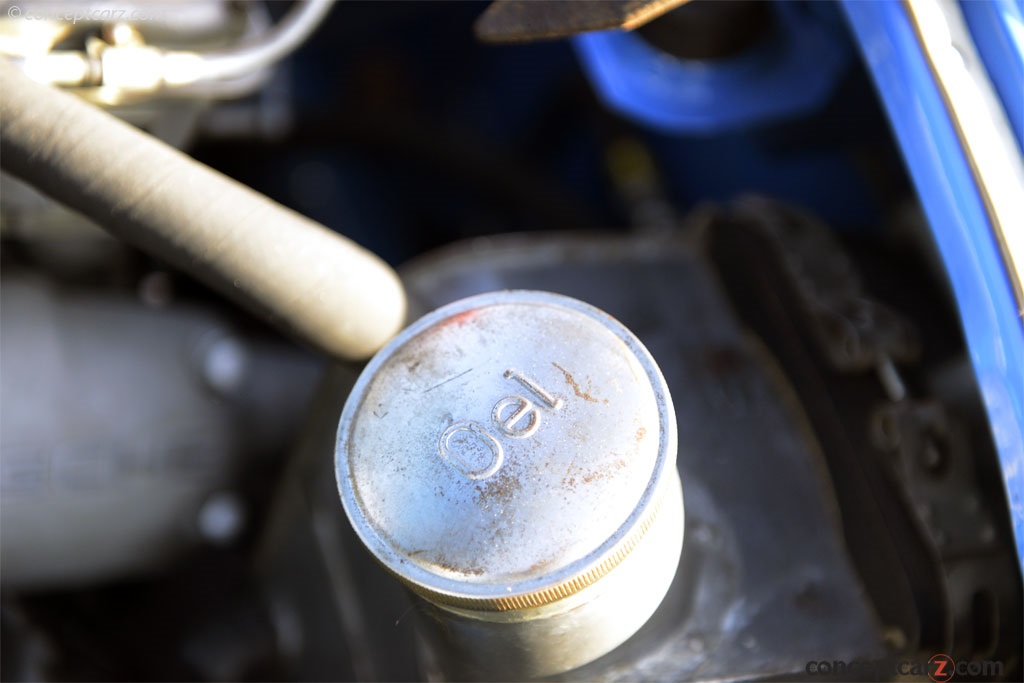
(304, 278)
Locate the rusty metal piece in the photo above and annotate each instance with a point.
(510, 21)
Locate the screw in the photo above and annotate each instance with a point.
(223, 362)
(221, 518)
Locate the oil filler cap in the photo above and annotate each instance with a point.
(511, 459)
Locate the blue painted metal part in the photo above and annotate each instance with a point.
(998, 30)
(956, 212)
(792, 71)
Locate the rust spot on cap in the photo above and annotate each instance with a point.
(584, 394)
(498, 490)
(462, 318)
(588, 476)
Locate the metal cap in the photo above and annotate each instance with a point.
(507, 450)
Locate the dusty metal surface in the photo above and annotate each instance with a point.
(505, 447)
(764, 585)
(511, 458)
(911, 454)
(771, 577)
